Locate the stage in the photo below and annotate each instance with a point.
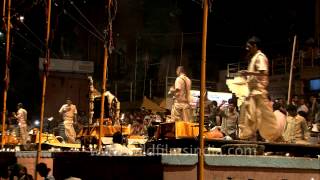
(175, 159)
(174, 156)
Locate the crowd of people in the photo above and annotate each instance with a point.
(20, 172)
(256, 118)
(294, 121)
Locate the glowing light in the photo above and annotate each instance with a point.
(21, 18)
(36, 122)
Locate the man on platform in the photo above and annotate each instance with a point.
(255, 113)
(69, 115)
(181, 109)
(21, 117)
(114, 107)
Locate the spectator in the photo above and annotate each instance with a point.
(302, 108)
(230, 119)
(314, 110)
(296, 129)
(43, 170)
(117, 148)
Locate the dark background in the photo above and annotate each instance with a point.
(149, 34)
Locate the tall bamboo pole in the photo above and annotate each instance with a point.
(202, 91)
(6, 71)
(291, 68)
(44, 83)
(103, 90)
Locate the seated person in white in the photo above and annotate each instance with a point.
(117, 148)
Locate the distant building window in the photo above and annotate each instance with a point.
(315, 85)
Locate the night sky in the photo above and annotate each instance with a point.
(156, 27)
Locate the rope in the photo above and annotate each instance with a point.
(83, 26)
(84, 17)
(111, 17)
(37, 37)
(27, 40)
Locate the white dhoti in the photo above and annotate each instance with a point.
(181, 112)
(69, 131)
(256, 114)
(23, 134)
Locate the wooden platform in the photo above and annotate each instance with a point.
(184, 135)
(178, 129)
(190, 144)
(107, 131)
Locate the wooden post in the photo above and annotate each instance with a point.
(103, 90)
(44, 83)
(130, 91)
(6, 70)
(291, 68)
(202, 91)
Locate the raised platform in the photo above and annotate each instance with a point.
(89, 165)
(190, 145)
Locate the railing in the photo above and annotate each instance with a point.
(234, 68)
(281, 65)
(150, 88)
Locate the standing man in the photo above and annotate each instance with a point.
(256, 114)
(181, 109)
(21, 117)
(69, 115)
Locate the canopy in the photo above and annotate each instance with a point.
(154, 107)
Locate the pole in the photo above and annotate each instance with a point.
(6, 70)
(135, 70)
(4, 11)
(116, 89)
(103, 90)
(145, 75)
(44, 83)
(291, 68)
(130, 91)
(150, 88)
(202, 91)
(104, 82)
(181, 48)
